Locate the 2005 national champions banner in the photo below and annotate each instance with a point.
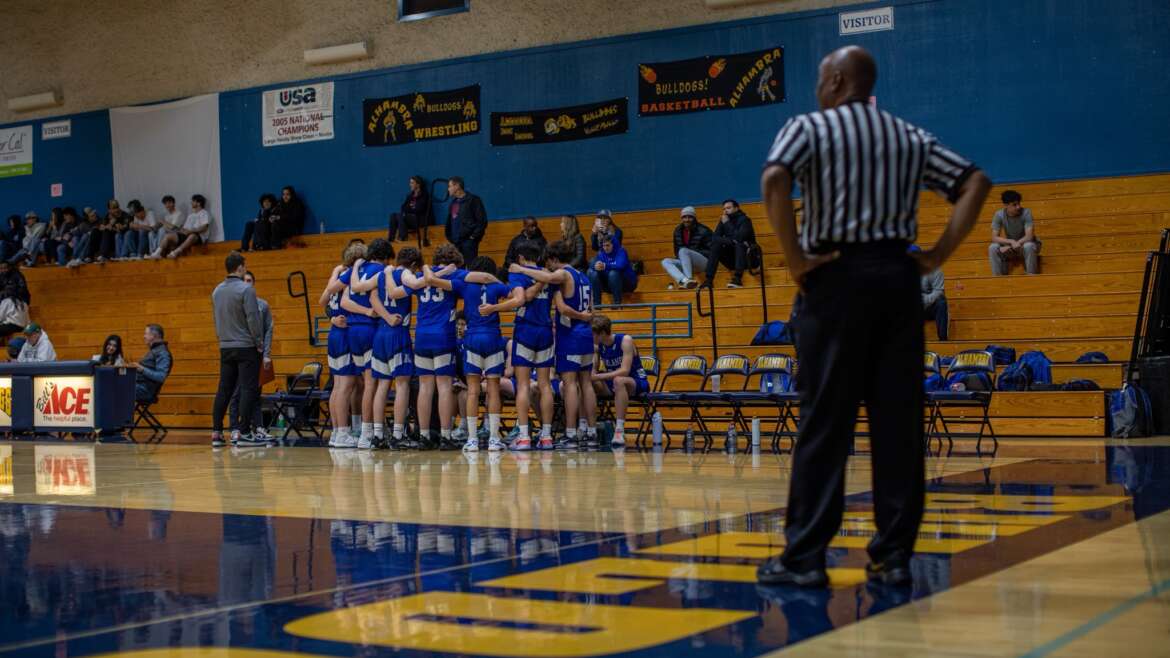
(561, 124)
(420, 116)
(715, 82)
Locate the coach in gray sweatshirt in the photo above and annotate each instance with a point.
(241, 344)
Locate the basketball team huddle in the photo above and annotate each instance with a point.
(559, 348)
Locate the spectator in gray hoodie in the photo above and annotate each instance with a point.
(240, 330)
(258, 429)
(34, 234)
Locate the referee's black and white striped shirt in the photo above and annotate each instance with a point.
(859, 171)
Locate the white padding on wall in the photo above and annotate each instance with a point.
(169, 148)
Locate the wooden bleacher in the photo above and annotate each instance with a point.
(1095, 235)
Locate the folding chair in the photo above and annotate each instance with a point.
(298, 404)
(142, 415)
(690, 365)
(967, 361)
(725, 368)
(931, 367)
(651, 367)
(775, 389)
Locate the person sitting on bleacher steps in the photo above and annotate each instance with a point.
(731, 245)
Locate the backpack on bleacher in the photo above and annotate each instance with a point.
(934, 382)
(775, 332)
(1016, 377)
(1080, 385)
(971, 380)
(1093, 357)
(1130, 413)
(1003, 355)
(1039, 364)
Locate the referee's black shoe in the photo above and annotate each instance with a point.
(773, 572)
(894, 571)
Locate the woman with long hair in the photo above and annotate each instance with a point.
(13, 311)
(111, 354)
(258, 232)
(416, 212)
(571, 234)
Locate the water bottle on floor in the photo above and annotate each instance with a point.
(730, 446)
(756, 432)
(689, 440)
(656, 427)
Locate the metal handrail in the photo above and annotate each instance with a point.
(304, 294)
(1141, 323)
(709, 314)
(655, 321)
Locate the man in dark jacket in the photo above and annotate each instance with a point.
(466, 219)
(154, 368)
(731, 244)
(529, 232)
(692, 248)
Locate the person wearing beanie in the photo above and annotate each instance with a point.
(692, 248)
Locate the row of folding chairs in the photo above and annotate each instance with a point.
(977, 401)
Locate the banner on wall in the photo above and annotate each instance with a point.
(297, 114)
(7, 483)
(714, 82)
(561, 124)
(420, 116)
(16, 151)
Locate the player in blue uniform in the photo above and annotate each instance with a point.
(340, 361)
(483, 344)
(360, 281)
(393, 354)
(623, 377)
(574, 338)
(532, 345)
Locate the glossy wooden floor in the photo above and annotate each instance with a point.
(1048, 548)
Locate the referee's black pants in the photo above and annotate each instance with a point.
(859, 338)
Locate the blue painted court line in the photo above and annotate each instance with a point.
(1098, 621)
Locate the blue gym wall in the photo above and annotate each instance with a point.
(83, 164)
(1029, 89)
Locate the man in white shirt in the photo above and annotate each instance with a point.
(142, 229)
(192, 232)
(37, 346)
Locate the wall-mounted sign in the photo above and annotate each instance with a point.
(63, 402)
(5, 402)
(65, 470)
(7, 486)
(57, 129)
(420, 116)
(56, 190)
(714, 82)
(297, 114)
(871, 20)
(16, 151)
(561, 124)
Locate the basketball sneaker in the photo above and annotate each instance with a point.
(495, 444)
(618, 441)
(471, 445)
(216, 440)
(522, 443)
(546, 443)
(342, 439)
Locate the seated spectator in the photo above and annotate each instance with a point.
(529, 232)
(612, 272)
(258, 232)
(692, 244)
(83, 237)
(111, 233)
(731, 245)
(603, 226)
(37, 346)
(934, 299)
(13, 311)
(10, 275)
(171, 221)
(154, 368)
(1013, 236)
(30, 246)
(415, 214)
(193, 232)
(571, 233)
(11, 238)
(111, 354)
(143, 226)
(56, 235)
(288, 218)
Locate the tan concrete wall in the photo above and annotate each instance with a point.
(106, 53)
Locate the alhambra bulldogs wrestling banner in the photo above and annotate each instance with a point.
(561, 124)
(715, 82)
(420, 116)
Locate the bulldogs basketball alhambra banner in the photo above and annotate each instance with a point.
(714, 82)
(420, 116)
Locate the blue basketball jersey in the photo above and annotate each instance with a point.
(366, 271)
(394, 306)
(333, 308)
(473, 295)
(579, 301)
(436, 307)
(536, 312)
(611, 357)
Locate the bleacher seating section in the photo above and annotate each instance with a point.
(1095, 234)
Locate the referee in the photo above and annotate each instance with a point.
(860, 328)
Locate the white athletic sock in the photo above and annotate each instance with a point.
(367, 429)
(571, 433)
(546, 431)
(619, 426)
(472, 426)
(581, 426)
(446, 434)
(398, 431)
(523, 431)
(591, 431)
(379, 430)
(494, 425)
(355, 420)
(341, 431)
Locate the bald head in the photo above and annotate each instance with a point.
(846, 74)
